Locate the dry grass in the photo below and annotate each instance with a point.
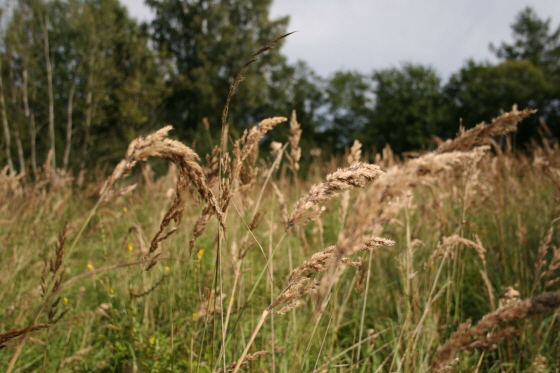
(381, 279)
(422, 205)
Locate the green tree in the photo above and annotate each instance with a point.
(297, 87)
(124, 80)
(409, 108)
(84, 68)
(535, 41)
(207, 42)
(479, 91)
(349, 108)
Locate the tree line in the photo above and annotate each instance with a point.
(81, 78)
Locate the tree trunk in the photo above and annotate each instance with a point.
(89, 111)
(45, 25)
(17, 137)
(70, 109)
(19, 147)
(30, 119)
(6, 127)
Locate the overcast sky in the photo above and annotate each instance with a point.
(365, 35)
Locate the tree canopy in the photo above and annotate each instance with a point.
(207, 43)
(80, 78)
(83, 67)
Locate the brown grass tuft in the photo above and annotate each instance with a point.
(295, 151)
(355, 176)
(483, 132)
(14, 333)
(187, 162)
(468, 338)
(245, 362)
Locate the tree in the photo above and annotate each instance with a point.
(533, 41)
(409, 108)
(296, 87)
(349, 107)
(84, 68)
(6, 128)
(207, 42)
(479, 91)
(123, 83)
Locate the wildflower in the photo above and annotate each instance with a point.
(124, 209)
(130, 247)
(152, 339)
(167, 269)
(89, 266)
(199, 254)
(65, 301)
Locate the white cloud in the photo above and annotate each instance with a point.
(372, 34)
(366, 35)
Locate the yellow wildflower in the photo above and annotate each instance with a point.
(130, 247)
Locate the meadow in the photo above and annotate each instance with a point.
(238, 261)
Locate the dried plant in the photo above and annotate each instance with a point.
(389, 193)
(246, 148)
(355, 153)
(316, 264)
(186, 160)
(245, 361)
(10, 185)
(301, 284)
(468, 338)
(200, 225)
(483, 132)
(295, 136)
(541, 264)
(52, 277)
(355, 176)
(225, 184)
(14, 333)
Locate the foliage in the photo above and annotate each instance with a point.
(113, 79)
(533, 41)
(106, 81)
(349, 107)
(469, 240)
(481, 90)
(207, 42)
(536, 42)
(409, 108)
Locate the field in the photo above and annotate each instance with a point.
(434, 262)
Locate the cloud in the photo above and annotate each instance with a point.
(365, 35)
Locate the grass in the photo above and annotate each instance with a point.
(377, 268)
(233, 261)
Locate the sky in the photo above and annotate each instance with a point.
(366, 35)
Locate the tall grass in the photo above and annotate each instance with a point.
(234, 261)
(375, 268)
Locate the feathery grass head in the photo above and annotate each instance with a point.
(295, 136)
(187, 161)
(483, 132)
(468, 338)
(14, 333)
(355, 176)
